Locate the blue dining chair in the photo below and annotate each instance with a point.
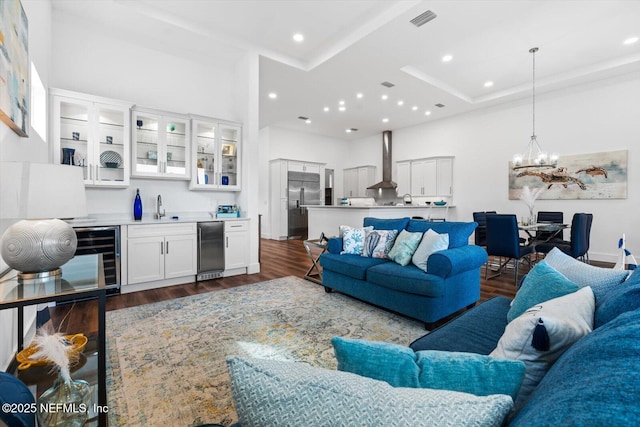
(480, 233)
(503, 240)
(550, 216)
(578, 246)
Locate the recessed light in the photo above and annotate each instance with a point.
(427, 113)
(359, 95)
(298, 37)
(341, 102)
(384, 97)
(414, 108)
(273, 95)
(348, 130)
(400, 103)
(326, 109)
(447, 58)
(488, 84)
(342, 108)
(631, 40)
(385, 120)
(308, 121)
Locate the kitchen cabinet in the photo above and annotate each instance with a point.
(161, 251)
(236, 242)
(92, 133)
(429, 177)
(294, 166)
(161, 143)
(356, 180)
(216, 154)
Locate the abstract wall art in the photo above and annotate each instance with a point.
(581, 176)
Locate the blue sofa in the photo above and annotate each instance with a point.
(596, 382)
(451, 284)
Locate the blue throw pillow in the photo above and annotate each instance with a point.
(541, 284)
(623, 298)
(443, 370)
(601, 280)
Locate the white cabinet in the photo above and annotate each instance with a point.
(161, 251)
(92, 133)
(236, 244)
(294, 166)
(216, 154)
(161, 144)
(430, 177)
(356, 180)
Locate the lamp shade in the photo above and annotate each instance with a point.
(39, 194)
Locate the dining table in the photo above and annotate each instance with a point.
(552, 230)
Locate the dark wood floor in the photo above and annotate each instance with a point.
(278, 259)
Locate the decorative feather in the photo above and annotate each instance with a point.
(54, 347)
(529, 196)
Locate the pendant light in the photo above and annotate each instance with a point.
(534, 156)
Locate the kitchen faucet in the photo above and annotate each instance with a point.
(159, 214)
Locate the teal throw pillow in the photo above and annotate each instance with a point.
(541, 284)
(400, 366)
(601, 280)
(353, 239)
(404, 247)
(279, 393)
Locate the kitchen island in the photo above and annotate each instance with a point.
(327, 219)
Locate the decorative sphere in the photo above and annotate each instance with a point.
(33, 246)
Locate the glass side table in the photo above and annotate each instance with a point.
(82, 279)
(314, 273)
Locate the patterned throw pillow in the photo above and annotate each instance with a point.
(404, 247)
(431, 242)
(277, 393)
(378, 243)
(563, 320)
(353, 239)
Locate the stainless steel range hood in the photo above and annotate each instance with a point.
(386, 183)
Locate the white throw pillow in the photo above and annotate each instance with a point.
(378, 243)
(566, 320)
(431, 242)
(353, 239)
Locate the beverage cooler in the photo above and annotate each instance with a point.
(105, 241)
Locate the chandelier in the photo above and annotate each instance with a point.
(534, 157)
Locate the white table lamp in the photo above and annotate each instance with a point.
(39, 194)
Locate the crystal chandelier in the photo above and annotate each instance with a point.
(534, 157)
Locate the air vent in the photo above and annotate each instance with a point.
(423, 18)
(303, 118)
(440, 105)
(387, 84)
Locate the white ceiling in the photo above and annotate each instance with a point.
(352, 46)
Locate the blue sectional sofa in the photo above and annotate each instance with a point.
(451, 283)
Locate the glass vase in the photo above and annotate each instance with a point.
(66, 404)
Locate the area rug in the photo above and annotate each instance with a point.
(166, 361)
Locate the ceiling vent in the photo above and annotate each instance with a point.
(303, 118)
(440, 105)
(387, 84)
(423, 18)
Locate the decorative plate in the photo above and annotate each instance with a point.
(78, 341)
(110, 159)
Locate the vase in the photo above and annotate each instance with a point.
(532, 217)
(67, 156)
(66, 404)
(137, 207)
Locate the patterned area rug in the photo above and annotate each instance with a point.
(166, 361)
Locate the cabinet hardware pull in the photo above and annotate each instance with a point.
(161, 249)
(227, 238)
(167, 250)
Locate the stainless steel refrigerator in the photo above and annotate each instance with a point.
(304, 189)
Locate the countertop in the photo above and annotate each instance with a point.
(375, 207)
(106, 220)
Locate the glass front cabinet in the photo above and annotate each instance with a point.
(216, 153)
(161, 144)
(92, 133)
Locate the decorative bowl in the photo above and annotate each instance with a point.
(440, 203)
(79, 341)
(111, 164)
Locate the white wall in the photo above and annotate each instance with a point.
(597, 117)
(90, 59)
(33, 149)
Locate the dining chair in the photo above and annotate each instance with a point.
(550, 216)
(503, 240)
(480, 233)
(578, 246)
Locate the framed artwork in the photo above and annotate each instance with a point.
(581, 176)
(14, 66)
(228, 149)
